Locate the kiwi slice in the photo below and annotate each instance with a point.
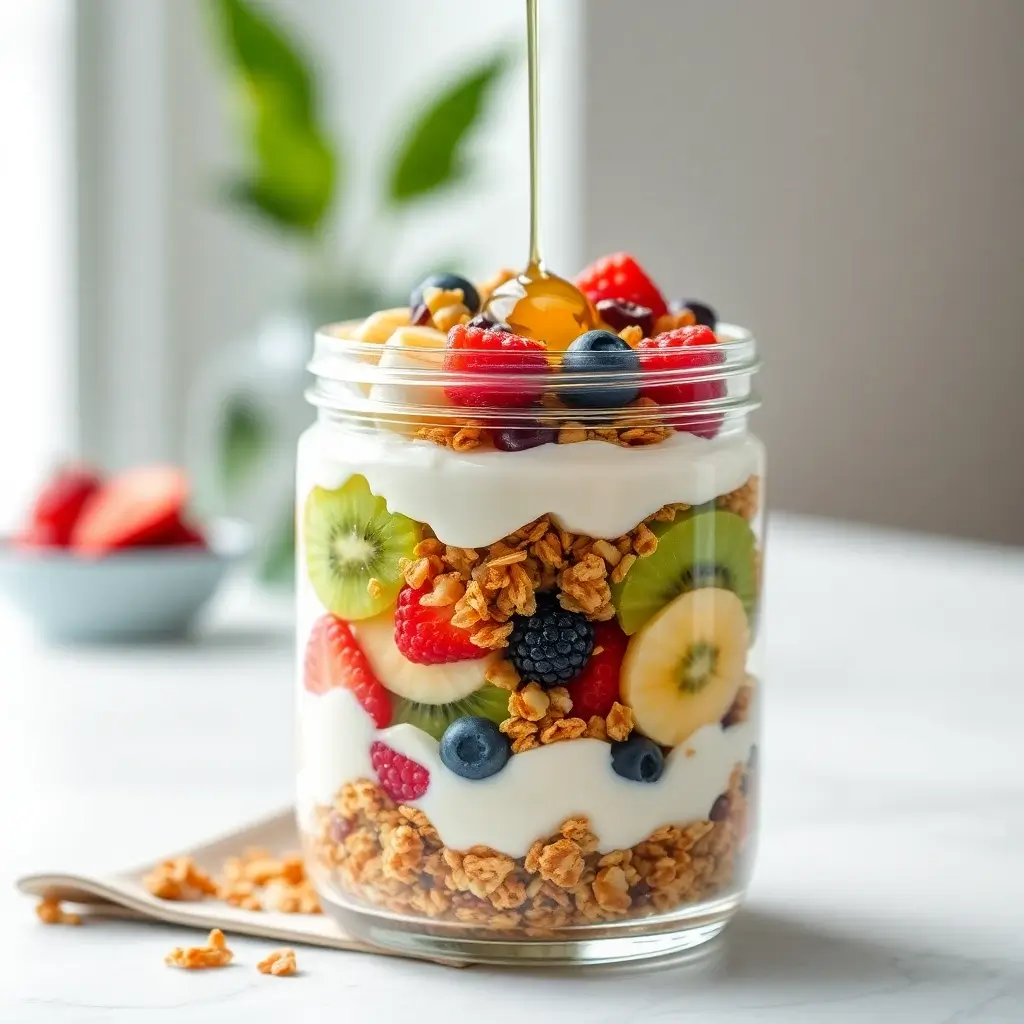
(487, 702)
(709, 549)
(351, 538)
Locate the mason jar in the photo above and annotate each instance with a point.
(530, 645)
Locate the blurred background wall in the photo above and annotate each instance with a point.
(846, 178)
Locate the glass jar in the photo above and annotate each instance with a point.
(530, 649)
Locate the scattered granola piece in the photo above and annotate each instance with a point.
(631, 335)
(192, 958)
(279, 962)
(572, 433)
(179, 879)
(531, 703)
(503, 674)
(49, 910)
(744, 501)
(374, 587)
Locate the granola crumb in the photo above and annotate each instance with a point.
(619, 723)
(193, 958)
(631, 335)
(279, 962)
(374, 587)
(744, 501)
(50, 910)
(179, 879)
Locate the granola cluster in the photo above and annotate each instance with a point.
(537, 717)
(256, 880)
(744, 501)
(487, 586)
(391, 856)
(214, 953)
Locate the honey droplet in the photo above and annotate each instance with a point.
(544, 307)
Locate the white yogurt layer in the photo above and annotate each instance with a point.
(472, 499)
(534, 793)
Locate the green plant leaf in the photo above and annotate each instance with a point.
(432, 154)
(277, 565)
(244, 435)
(293, 168)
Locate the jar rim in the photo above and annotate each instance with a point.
(353, 377)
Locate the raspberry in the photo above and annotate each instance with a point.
(620, 277)
(551, 646)
(400, 777)
(687, 348)
(426, 635)
(478, 350)
(597, 688)
(334, 660)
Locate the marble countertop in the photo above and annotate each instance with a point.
(890, 878)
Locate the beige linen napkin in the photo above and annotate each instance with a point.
(123, 894)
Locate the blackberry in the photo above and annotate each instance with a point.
(551, 646)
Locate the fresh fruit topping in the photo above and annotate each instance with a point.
(519, 439)
(473, 350)
(400, 777)
(687, 348)
(379, 326)
(618, 314)
(683, 669)
(702, 313)
(543, 307)
(487, 322)
(423, 684)
(637, 759)
(597, 688)
(130, 510)
(488, 702)
(351, 538)
(334, 660)
(419, 316)
(59, 505)
(424, 633)
(448, 283)
(39, 535)
(600, 352)
(474, 748)
(620, 277)
(709, 549)
(550, 647)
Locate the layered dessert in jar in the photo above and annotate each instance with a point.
(529, 592)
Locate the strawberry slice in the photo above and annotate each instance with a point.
(499, 354)
(59, 505)
(425, 633)
(334, 660)
(597, 688)
(179, 534)
(620, 277)
(687, 348)
(130, 510)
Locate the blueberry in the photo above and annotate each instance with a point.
(474, 748)
(702, 312)
(470, 296)
(617, 313)
(638, 759)
(519, 439)
(600, 352)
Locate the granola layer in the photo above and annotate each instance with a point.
(390, 855)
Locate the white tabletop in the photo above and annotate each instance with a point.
(890, 880)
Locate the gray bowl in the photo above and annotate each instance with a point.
(126, 596)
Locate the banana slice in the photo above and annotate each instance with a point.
(378, 327)
(682, 670)
(427, 684)
(410, 348)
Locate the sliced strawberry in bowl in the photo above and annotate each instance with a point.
(179, 534)
(597, 688)
(686, 348)
(424, 633)
(130, 510)
(504, 358)
(59, 506)
(334, 660)
(621, 278)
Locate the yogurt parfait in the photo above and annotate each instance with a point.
(530, 560)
